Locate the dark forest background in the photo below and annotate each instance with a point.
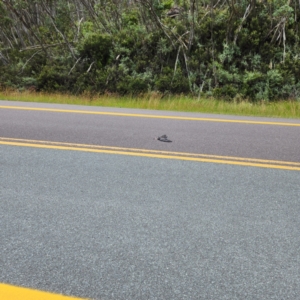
(247, 49)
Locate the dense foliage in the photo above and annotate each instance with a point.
(230, 49)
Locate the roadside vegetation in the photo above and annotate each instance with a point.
(229, 56)
(157, 101)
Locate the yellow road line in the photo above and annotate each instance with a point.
(151, 155)
(9, 292)
(150, 116)
(199, 155)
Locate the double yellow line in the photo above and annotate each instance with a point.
(229, 160)
(273, 164)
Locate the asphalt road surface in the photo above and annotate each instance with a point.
(273, 142)
(105, 225)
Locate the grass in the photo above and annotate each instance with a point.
(281, 109)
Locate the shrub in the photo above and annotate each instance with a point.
(96, 47)
(53, 78)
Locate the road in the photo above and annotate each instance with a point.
(81, 214)
(227, 136)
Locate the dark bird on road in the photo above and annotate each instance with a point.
(164, 138)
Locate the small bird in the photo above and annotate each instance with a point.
(164, 138)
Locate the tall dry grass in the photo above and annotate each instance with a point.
(158, 101)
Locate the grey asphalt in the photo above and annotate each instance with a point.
(216, 138)
(117, 227)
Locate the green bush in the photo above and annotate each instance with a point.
(175, 84)
(135, 83)
(96, 47)
(53, 78)
(226, 92)
(134, 48)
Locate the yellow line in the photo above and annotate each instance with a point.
(199, 155)
(228, 162)
(9, 292)
(150, 116)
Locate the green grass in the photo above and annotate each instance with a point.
(281, 109)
